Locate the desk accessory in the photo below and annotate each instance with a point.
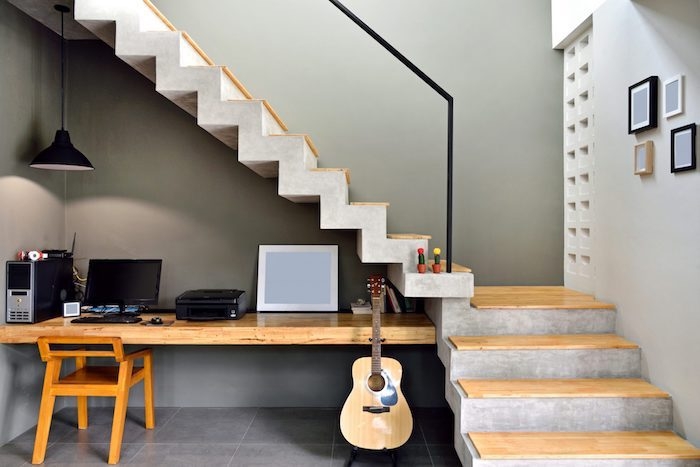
(375, 414)
(211, 304)
(71, 309)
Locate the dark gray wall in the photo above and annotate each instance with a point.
(31, 201)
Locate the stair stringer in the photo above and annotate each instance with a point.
(185, 76)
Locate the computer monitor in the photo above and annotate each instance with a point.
(123, 282)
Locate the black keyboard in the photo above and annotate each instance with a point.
(108, 319)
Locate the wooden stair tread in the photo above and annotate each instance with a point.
(308, 140)
(369, 203)
(443, 265)
(542, 342)
(554, 388)
(583, 445)
(408, 236)
(536, 297)
(329, 169)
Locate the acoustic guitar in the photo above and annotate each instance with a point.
(375, 414)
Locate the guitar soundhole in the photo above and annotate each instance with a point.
(375, 383)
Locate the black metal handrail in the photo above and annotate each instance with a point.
(450, 114)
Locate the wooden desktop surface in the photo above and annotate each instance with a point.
(252, 329)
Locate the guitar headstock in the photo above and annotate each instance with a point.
(375, 285)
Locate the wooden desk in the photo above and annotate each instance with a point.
(252, 329)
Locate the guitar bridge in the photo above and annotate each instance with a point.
(375, 409)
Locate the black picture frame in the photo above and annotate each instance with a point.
(643, 105)
(683, 148)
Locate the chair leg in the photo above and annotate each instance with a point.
(120, 403)
(148, 392)
(80, 362)
(82, 412)
(53, 368)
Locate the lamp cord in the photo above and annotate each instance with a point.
(63, 92)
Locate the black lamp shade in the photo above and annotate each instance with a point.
(61, 155)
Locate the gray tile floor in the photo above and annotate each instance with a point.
(230, 437)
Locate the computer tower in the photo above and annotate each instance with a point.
(36, 290)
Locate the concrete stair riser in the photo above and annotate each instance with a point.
(300, 185)
(371, 219)
(517, 364)
(458, 318)
(562, 414)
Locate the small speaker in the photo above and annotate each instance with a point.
(71, 309)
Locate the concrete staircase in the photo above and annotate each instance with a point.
(182, 72)
(551, 386)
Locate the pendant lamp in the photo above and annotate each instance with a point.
(62, 155)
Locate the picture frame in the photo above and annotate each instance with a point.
(683, 148)
(642, 107)
(673, 96)
(297, 278)
(644, 158)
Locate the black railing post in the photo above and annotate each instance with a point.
(450, 137)
(450, 114)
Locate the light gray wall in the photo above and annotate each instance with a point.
(31, 201)
(647, 246)
(367, 112)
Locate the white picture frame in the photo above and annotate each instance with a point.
(673, 96)
(297, 278)
(644, 158)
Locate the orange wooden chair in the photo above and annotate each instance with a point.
(112, 381)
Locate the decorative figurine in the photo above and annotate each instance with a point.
(436, 265)
(421, 261)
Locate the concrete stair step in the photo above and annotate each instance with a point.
(542, 356)
(590, 448)
(309, 142)
(575, 404)
(333, 169)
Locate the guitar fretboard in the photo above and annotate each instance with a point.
(376, 341)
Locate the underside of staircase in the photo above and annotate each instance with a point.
(530, 381)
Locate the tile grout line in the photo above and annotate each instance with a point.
(257, 409)
(425, 441)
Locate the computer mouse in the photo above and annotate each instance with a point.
(156, 320)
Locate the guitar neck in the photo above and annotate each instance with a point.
(376, 341)
(375, 284)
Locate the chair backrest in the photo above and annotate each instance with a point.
(50, 353)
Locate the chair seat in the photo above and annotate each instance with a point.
(99, 375)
